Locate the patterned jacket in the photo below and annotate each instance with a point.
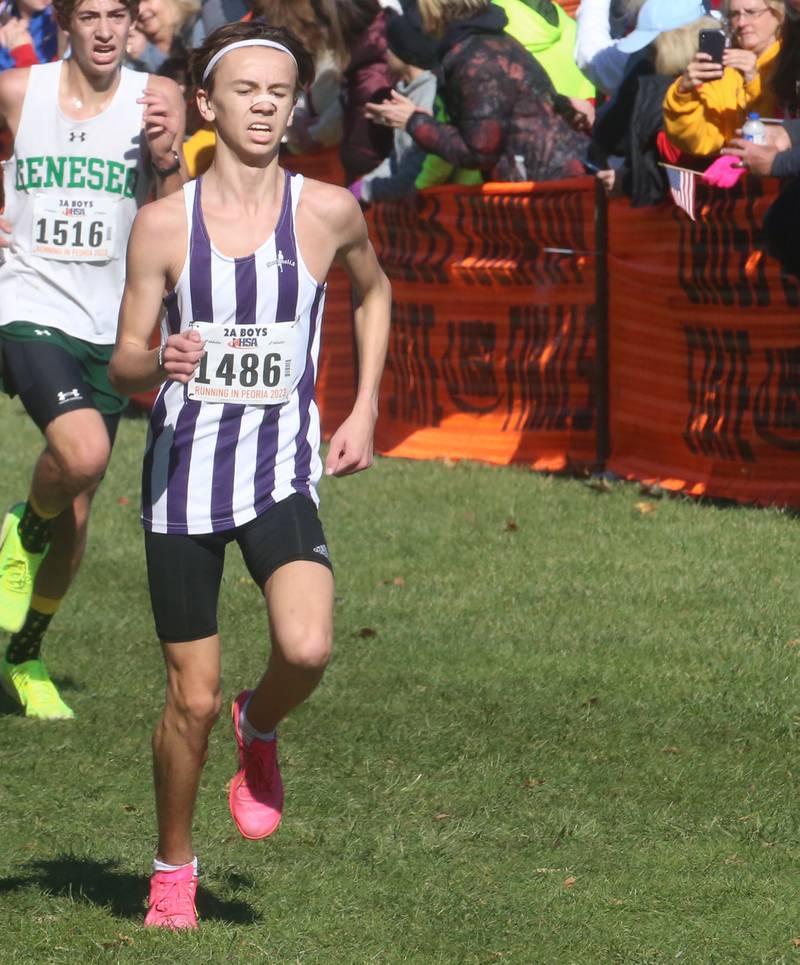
(502, 107)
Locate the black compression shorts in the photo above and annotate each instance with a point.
(185, 572)
(55, 374)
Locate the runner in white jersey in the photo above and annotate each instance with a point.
(232, 452)
(90, 138)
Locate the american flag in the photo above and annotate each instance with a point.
(682, 188)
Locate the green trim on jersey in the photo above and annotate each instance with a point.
(93, 359)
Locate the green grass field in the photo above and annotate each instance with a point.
(557, 729)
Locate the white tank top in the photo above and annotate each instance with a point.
(72, 189)
(213, 466)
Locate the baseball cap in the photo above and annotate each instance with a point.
(656, 16)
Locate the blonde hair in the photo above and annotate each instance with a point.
(437, 14)
(778, 8)
(675, 49)
(186, 9)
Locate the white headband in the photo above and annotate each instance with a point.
(244, 43)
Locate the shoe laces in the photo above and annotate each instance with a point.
(174, 898)
(15, 576)
(258, 765)
(41, 687)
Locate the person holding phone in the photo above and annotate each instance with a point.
(706, 105)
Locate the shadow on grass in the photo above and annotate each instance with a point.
(122, 894)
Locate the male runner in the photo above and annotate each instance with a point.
(87, 136)
(232, 452)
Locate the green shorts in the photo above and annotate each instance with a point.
(53, 372)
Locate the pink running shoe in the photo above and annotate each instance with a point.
(256, 792)
(171, 902)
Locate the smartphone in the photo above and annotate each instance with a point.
(712, 42)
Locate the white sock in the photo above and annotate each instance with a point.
(159, 865)
(249, 732)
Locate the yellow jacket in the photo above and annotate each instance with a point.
(198, 151)
(704, 119)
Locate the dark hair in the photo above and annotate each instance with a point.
(786, 79)
(231, 33)
(296, 16)
(176, 67)
(344, 21)
(64, 10)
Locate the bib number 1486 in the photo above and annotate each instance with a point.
(252, 370)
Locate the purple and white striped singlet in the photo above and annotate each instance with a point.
(210, 466)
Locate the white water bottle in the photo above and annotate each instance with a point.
(754, 129)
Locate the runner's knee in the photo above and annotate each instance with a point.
(195, 708)
(82, 465)
(308, 650)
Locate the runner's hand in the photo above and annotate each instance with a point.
(5, 233)
(15, 33)
(162, 120)
(182, 354)
(351, 446)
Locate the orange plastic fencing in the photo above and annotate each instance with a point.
(492, 348)
(704, 350)
(336, 376)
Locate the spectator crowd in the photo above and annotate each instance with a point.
(416, 93)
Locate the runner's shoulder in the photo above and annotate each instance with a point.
(160, 223)
(13, 84)
(332, 206)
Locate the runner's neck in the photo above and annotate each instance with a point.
(82, 97)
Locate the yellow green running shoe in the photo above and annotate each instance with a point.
(30, 685)
(18, 570)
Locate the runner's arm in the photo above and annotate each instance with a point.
(134, 364)
(164, 121)
(13, 84)
(351, 445)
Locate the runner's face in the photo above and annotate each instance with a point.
(245, 75)
(98, 33)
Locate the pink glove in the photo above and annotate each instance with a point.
(724, 172)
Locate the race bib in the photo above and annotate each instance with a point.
(248, 364)
(75, 227)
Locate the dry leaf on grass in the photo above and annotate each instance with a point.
(119, 942)
(533, 782)
(645, 508)
(793, 643)
(124, 501)
(617, 901)
(570, 882)
(796, 942)
(670, 749)
(651, 489)
(442, 816)
(366, 632)
(511, 526)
